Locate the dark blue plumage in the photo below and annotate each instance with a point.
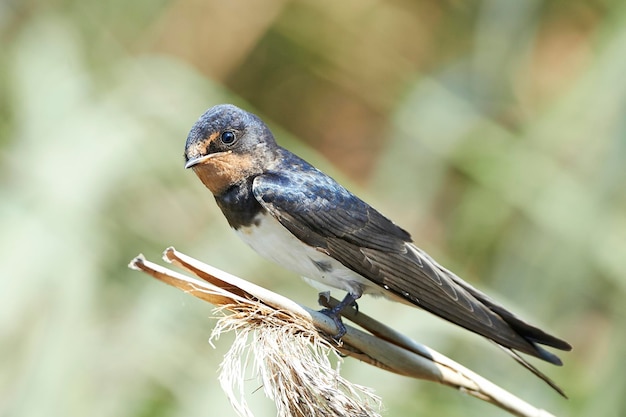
(292, 213)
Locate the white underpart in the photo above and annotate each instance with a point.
(274, 242)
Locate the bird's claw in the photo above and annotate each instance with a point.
(335, 312)
(336, 318)
(323, 299)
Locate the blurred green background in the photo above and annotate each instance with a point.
(494, 131)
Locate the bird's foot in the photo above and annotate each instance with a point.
(337, 320)
(335, 312)
(323, 299)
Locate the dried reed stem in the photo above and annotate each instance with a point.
(288, 347)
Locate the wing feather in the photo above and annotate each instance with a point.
(325, 215)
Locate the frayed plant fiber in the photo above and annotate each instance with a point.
(291, 361)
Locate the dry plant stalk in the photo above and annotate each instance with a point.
(289, 347)
(291, 360)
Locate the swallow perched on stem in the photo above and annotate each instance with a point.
(297, 216)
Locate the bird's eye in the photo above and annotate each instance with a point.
(228, 137)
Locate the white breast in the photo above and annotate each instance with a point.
(274, 242)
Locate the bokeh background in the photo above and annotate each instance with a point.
(494, 131)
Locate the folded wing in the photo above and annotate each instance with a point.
(325, 215)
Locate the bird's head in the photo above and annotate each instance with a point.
(228, 145)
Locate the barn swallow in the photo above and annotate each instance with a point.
(297, 216)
